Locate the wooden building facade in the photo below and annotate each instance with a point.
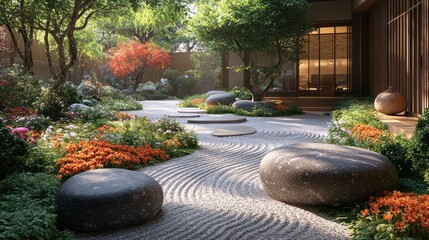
(391, 39)
(360, 48)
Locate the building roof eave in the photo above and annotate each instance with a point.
(360, 6)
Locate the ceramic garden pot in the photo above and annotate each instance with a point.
(390, 102)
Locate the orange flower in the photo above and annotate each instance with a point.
(87, 155)
(366, 132)
(365, 212)
(388, 217)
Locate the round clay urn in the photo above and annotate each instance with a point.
(390, 102)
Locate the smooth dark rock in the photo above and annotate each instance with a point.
(214, 92)
(221, 98)
(126, 92)
(104, 199)
(325, 174)
(246, 105)
(77, 107)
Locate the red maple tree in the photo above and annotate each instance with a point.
(131, 59)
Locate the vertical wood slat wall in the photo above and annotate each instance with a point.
(397, 51)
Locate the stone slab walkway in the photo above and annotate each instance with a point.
(215, 193)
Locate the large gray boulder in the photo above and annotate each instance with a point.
(221, 98)
(246, 105)
(325, 174)
(78, 107)
(103, 199)
(126, 92)
(214, 92)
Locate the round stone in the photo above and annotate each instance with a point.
(221, 98)
(224, 118)
(78, 107)
(126, 92)
(103, 199)
(182, 115)
(245, 105)
(233, 131)
(214, 92)
(325, 174)
(190, 110)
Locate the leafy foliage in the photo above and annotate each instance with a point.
(13, 151)
(27, 207)
(394, 215)
(250, 27)
(126, 104)
(355, 123)
(131, 59)
(241, 93)
(420, 149)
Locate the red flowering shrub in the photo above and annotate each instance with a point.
(131, 59)
(87, 155)
(366, 132)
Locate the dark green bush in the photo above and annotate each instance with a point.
(18, 87)
(27, 207)
(242, 93)
(420, 149)
(51, 104)
(13, 151)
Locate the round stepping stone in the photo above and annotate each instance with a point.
(190, 110)
(325, 174)
(233, 131)
(103, 199)
(182, 115)
(218, 119)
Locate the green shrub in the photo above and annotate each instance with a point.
(263, 110)
(41, 158)
(50, 104)
(166, 134)
(18, 87)
(27, 207)
(241, 93)
(420, 150)
(13, 151)
(126, 104)
(354, 112)
(96, 115)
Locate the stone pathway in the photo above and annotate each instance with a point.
(215, 193)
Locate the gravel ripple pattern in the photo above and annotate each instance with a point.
(215, 193)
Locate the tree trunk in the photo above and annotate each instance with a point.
(246, 73)
(138, 79)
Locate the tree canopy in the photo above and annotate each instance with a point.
(249, 27)
(131, 59)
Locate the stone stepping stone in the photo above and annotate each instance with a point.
(182, 115)
(325, 174)
(233, 131)
(104, 199)
(190, 110)
(218, 119)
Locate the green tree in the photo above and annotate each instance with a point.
(251, 27)
(19, 17)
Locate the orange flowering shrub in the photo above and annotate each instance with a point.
(399, 214)
(87, 155)
(197, 101)
(281, 107)
(122, 116)
(366, 132)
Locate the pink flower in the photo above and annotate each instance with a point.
(21, 132)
